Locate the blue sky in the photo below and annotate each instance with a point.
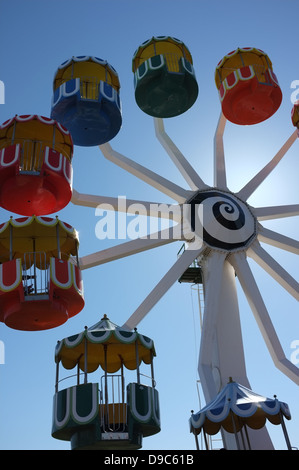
(36, 36)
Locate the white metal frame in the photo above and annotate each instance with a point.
(221, 323)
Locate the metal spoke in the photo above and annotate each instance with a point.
(174, 273)
(219, 159)
(163, 237)
(254, 298)
(254, 183)
(186, 170)
(276, 239)
(276, 212)
(158, 182)
(274, 269)
(122, 204)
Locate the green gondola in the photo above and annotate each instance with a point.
(164, 77)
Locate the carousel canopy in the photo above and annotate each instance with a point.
(38, 234)
(236, 405)
(121, 348)
(87, 68)
(239, 58)
(160, 45)
(36, 128)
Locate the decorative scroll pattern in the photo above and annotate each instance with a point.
(144, 405)
(52, 161)
(158, 62)
(63, 274)
(226, 222)
(75, 405)
(10, 276)
(86, 58)
(243, 74)
(32, 117)
(46, 221)
(72, 88)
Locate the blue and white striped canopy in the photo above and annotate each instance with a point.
(235, 406)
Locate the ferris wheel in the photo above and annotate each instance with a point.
(221, 231)
(40, 277)
(224, 248)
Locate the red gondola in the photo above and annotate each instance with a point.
(35, 165)
(40, 279)
(248, 88)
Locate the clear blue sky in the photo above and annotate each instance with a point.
(36, 36)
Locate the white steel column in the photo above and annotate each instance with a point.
(221, 351)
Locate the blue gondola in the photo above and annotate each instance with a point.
(86, 100)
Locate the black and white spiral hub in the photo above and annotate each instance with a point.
(222, 220)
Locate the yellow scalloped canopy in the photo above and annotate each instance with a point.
(239, 58)
(37, 234)
(120, 344)
(160, 45)
(36, 128)
(88, 68)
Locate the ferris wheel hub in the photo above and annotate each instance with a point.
(222, 220)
